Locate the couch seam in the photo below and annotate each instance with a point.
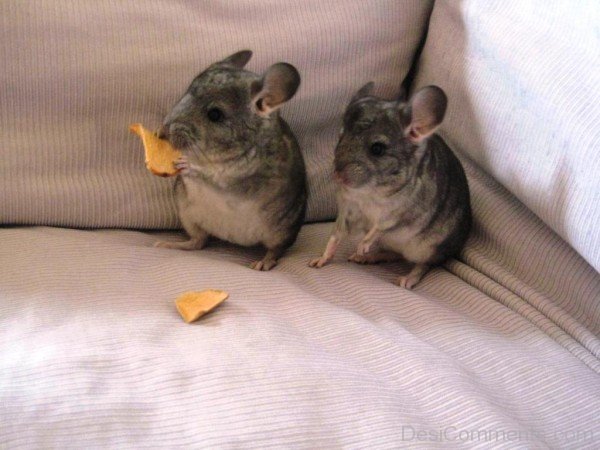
(546, 323)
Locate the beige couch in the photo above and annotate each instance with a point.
(497, 349)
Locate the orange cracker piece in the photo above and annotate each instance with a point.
(160, 155)
(193, 305)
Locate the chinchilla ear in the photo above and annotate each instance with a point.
(237, 60)
(364, 91)
(426, 110)
(278, 84)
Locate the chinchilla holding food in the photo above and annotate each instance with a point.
(399, 184)
(242, 176)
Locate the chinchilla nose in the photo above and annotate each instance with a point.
(162, 132)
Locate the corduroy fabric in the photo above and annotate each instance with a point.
(495, 350)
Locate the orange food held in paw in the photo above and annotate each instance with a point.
(193, 305)
(160, 155)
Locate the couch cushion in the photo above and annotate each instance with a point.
(75, 75)
(522, 80)
(497, 350)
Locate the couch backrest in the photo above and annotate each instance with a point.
(523, 81)
(75, 74)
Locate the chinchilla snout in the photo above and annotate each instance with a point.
(180, 135)
(349, 169)
(350, 173)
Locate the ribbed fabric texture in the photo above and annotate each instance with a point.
(522, 80)
(515, 258)
(496, 350)
(74, 75)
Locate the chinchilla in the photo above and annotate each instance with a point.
(399, 185)
(242, 176)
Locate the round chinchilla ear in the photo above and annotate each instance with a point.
(426, 110)
(237, 60)
(279, 84)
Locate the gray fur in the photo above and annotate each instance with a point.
(412, 200)
(242, 176)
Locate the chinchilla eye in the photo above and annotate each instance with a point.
(214, 115)
(377, 149)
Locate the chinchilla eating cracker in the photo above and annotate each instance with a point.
(399, 184)
(241, 174)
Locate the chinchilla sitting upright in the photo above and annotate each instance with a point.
(242, 176)
(399, 184)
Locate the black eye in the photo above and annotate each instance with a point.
(214, 115)
(377, 149)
